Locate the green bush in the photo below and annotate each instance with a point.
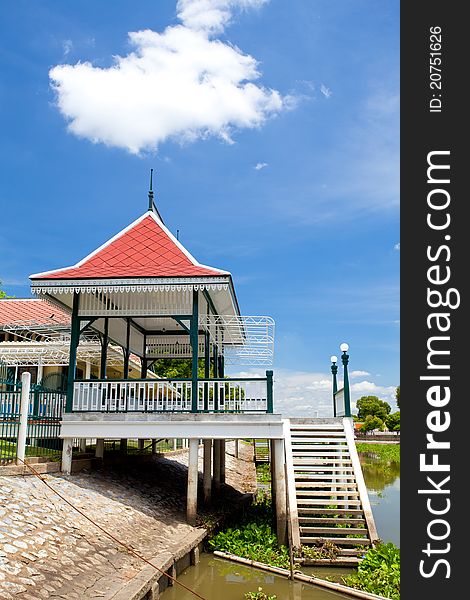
(378, 572)
(254, 536)
(260, 595)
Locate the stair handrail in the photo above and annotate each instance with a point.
(361, 484)
(291, 490)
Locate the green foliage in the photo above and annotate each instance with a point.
(393, 421)
(372, 422)
(372, 405)
(177, 368)
(254, 536)
(263, 473)
(397, 396)
(3, 294)
(386, 452)
(378, 572)
(260, 595)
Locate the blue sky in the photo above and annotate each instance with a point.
(290, 182)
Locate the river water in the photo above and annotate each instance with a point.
(383, 484)
(217, 579)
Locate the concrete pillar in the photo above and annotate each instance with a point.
(67, 456)
(280, 491)
(99, 448)
(123, 445)
(154, 446)
(272, 463)
(24, 409)
(140, 444)
(82, 444)
(87, 369)
(175, 444)
(207, 475)
(222, 461)
(40, 373)
(194, 555)
(236, 448)
(191, 504)
(216, 465)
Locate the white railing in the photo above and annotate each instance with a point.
(173, 395)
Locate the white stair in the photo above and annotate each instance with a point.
(330, 500)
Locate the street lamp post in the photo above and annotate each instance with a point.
(347, 397)
(334, 371)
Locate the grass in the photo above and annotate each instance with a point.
(8, 451)
(386, 452)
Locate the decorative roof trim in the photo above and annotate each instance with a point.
(163, 284)
(120, 234)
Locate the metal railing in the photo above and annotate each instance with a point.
(174, 395)
(44, 416)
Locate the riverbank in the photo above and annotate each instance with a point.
(47, 550)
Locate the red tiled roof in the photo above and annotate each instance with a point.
(144, 249)
(14, 310)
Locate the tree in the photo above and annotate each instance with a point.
(397, 396)
(393, 421)
(372, 422)
(372, 405)
(3, 294)
(177, 368)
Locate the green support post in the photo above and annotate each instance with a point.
(347, 397)
(143, 367)
(334, 371)
(104, 349)
(74, 339)
(207, 368)
(269, 381)
(194, 337)
(127, 351)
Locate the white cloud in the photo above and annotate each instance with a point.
(397, 246)
(180, 84)
(354, 374)
(309, 394)
(260, 166)
(212, 15)
(325, 91)
(67, 46)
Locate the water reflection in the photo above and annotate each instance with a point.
(382, 480)
(214, 578)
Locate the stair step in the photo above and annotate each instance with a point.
(324, 484)
(324, 477)
(313, 445)
(319, 440)
(332, 521)
(316, 432)
(328, 493)
(338, 541)
(329, 511)
(327, 502)
(321, 467)
(316, 462)
(321, 426)
(325, 449)
(351, 552)
(333, 530)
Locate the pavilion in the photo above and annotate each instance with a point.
(144, 291)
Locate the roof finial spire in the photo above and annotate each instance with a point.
(151, 191)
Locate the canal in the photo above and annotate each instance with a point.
(215, 578)
(382, 478)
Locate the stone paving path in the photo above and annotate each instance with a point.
(47, 550)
